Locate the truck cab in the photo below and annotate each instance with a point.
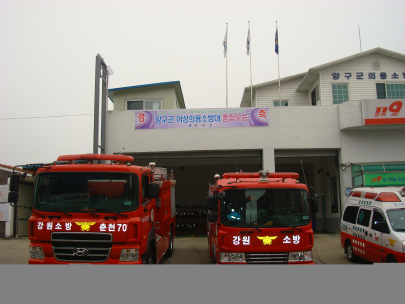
(259, 218)
(85, 211)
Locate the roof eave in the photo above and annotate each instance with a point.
(176, 85)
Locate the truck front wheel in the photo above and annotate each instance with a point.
(214, 259)
(169, 251)
(149, 258)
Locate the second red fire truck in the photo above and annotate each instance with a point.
(259, 218)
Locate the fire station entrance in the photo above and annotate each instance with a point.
(194, 170)
(319, 169)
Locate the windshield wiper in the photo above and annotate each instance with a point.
(253, 227)
(112, 212)
(399, 229)
(57, 210)
(90, 212)
(32, 209)
(295, 227)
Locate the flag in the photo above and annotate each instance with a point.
(225, 43)
(276, 41)
(248, 42)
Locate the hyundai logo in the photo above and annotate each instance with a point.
(80, 252)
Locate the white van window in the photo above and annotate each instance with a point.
(364, 217)
(378, 217)
(397, 219)
(350, 214)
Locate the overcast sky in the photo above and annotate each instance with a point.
(48, 51)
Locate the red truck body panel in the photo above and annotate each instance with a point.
(272, 244)
(72, 237)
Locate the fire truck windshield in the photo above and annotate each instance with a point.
(265, 208)
(82, 191)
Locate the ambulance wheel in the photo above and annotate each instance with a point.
(349, 252)
(169, 251)
(391, 259)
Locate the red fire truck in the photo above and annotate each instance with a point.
(100, 209)
(259, 218)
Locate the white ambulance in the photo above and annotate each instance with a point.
(373, 225)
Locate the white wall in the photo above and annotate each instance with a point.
(361, 88)
(290, 128)
(266, 95)
(167, 93)
(370, 145)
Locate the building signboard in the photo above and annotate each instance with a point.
(202, 118)
(4, 206)
(384, 179)
(383, 111)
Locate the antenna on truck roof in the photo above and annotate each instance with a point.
(303, 172)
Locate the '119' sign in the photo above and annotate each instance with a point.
(383, 112)
(394, 108)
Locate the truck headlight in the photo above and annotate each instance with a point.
(129, 255)
(301, 256)
(232, 257)
(36, 253)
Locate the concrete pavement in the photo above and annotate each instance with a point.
(189, 250)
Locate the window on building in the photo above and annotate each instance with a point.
(390, 90)
(314, 96)
(340, 93)
(284, 103)
(144, 104)
(381, 93)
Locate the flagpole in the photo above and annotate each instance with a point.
(226, 65)
(250, 57)
(360, 39)
(278, 62)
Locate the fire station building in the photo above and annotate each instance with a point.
(339, 125)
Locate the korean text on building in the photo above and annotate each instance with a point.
(202, 118)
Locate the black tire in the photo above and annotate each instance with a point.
(150, 257)
(349, 252)
(391, 259)
(214, 259)
(170, 250)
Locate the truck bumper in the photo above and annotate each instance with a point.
(54, 261)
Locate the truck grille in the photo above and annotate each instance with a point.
(267, 258)
(81, 247)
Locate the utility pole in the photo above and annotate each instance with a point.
(102, 71)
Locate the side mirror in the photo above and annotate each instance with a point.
(315, 203)
(210, 201)
(222, 196)
(13, 197)
(212, 217)
(14, 182)
(153, 190)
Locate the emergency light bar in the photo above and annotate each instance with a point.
(261, 174)
(118, 158)
(382, 196)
